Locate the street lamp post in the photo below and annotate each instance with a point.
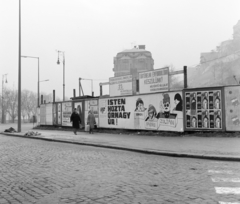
(38, 103)
(58, 62)
(19, 70)
(3, 108)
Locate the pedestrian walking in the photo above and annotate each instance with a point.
(76, 121)
(91, 121)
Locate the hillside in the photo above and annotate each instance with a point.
(220, 66)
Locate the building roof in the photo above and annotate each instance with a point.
(134, 50)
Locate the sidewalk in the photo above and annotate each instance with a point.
(216, 148)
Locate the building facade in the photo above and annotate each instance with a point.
(132, 61)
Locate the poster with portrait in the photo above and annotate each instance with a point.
(159, 112)
(203, 109)
(232, 108)
(66, 113)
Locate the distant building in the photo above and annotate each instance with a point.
(132, 61)
(236, 31)
(208, 56)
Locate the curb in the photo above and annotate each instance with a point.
(143, 151)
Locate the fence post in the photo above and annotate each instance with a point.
(185, 76)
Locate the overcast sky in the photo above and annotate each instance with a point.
(92, 32)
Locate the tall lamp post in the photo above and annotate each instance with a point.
(3, 108)
(19, 70)
(58, 62)
(38, 103)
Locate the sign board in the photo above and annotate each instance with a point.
(204, 109)
(232, 108)
(120, 86)
(160, 112)
(154, 81)
(66, 113)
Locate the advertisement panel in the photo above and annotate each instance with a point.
(54, 110)
(154, 81)
(162, 111)
(203, 109)
(66, 113)
(49, 114)
(59, 114)
(232, 108)
(120, 86)
(42, 114)
(93, 106)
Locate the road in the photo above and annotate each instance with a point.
(41, 172)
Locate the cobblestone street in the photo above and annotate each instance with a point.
(41, 172)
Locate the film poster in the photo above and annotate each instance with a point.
(203, 109)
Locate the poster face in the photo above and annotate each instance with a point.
(153, 81)
(120, 86)
(66, 113)
(78, 106)
(203, 109)
(162, 111)
(93, 106)
(232, 107)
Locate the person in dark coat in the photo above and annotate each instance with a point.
(76, 120)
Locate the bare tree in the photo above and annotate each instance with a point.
(29, 104)
(11, 101)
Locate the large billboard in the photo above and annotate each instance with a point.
(162, 112)
(204, 109)
(154, 81)
(66, 113)
(232, 108)
(120, 86)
